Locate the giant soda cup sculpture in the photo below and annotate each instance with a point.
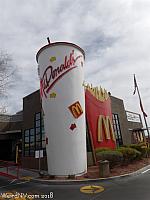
(61, 66)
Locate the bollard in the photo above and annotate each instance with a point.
(104, 170)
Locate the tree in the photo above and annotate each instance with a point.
(6, 72)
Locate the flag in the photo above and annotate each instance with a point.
(141, 106)
(135, 85)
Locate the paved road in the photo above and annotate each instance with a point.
(131, 188)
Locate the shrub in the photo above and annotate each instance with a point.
(129, 154)
(148, 151)
(114, 157)
(140, 147)
(102, 149)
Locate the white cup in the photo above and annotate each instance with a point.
(61, 66)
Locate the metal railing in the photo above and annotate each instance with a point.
(9, 169)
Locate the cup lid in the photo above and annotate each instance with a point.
(57, 44)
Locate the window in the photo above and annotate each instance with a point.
(26, 143)
(117, 130)
(32, 135)
(38, 122)
(29, 142)
(40, 133)
(34, 138)
(32, 142)
(38, 130)
(38, 116)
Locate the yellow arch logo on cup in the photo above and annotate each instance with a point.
(52, 59)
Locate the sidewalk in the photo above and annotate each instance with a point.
(26, 174)
(85, 180)
(117, 172)
(92, 174)
(23, 174)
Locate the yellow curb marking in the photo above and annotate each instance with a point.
(26, 178)
(91, 189)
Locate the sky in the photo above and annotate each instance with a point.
(115, 35)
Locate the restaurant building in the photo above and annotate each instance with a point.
(11, 136)
(23, 134)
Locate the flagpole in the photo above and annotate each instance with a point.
(142, 111)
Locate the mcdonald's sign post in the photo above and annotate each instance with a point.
(99, 117)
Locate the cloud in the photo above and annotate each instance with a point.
(115, 36)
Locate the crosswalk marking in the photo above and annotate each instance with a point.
(146, 171)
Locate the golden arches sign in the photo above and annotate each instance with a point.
(105, 126)
(76, 109)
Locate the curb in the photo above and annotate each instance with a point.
(85, 181)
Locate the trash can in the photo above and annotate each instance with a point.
(104, 170)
